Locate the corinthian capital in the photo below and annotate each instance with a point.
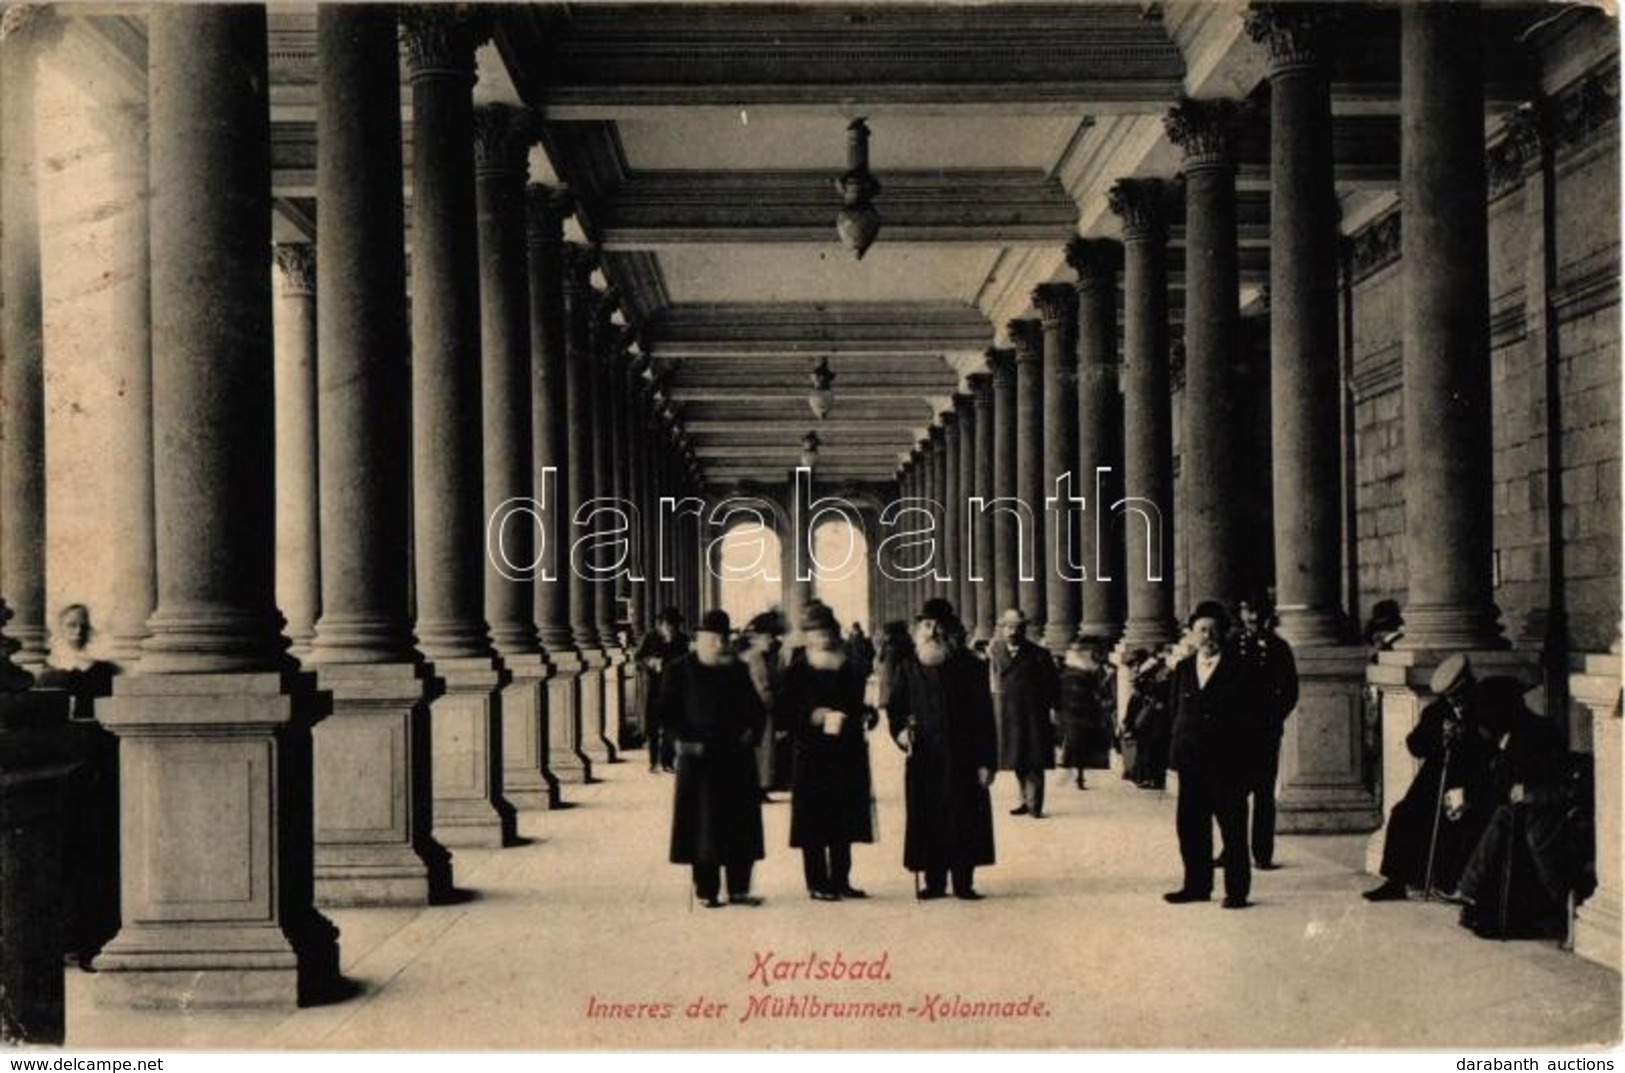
(1057, 304)
(1205, 130)
(503, 136)
(296, 267)
(1096, 261)
(440, 39)
(1028, 337)
(1142, 206)
(1296, 35)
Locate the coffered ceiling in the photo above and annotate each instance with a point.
(702, 141)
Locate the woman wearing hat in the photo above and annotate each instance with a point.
(821, 704)
(714, 718)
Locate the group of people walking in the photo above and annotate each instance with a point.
(1491, 795)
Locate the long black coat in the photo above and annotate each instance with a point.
(715, 719)
(1411, 823)
(831, 797)
(1031, 689)
(950, 708)
(1273, 679)
(655, 647)
(1086, 719)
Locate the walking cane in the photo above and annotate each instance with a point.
(1506, 871)
(908, 754)
(1433, 842)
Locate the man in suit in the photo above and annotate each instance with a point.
(1027, 680)
(1215, 750)
(1274, 677)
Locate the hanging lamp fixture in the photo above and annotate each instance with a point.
(857, 223)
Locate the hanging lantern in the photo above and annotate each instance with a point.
(823, 392)
(857, 223)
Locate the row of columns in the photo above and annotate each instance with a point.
(429, 692)
(1061, 402)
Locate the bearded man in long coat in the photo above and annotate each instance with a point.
(715, 719)
(940, 711)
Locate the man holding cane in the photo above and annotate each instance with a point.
(1433, 830)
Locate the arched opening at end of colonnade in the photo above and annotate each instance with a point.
(840, 571)
(746, 568)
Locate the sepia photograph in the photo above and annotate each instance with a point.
(810, 525)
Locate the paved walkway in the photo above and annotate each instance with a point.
(589, 914)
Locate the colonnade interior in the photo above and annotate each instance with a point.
(375, 375)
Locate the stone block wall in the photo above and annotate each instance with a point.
(1558, 253)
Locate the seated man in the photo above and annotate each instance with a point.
(1537, 847)
(1435, 827)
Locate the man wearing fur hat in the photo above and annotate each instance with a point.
(940, 711)
(714, 717)
(1434, 828)
(831, 806)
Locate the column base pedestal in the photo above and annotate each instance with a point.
(614, 705)
(1321, 789)
(1595, 687)
(466, 721)
(373, 797)
(1402, 679)
(526, 781)
(592, 744)
(215, 775)
(564, 720)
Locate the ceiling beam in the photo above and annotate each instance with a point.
(888, 329)
(971, 207)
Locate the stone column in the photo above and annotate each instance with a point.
(579, 263)
(1057, 305)
(1321, 785)
(22, 339)
(129, 363)
(545, 210)
(981, 386)
(502, 140)
(1007, 528)
(1596, 927)
(1147, 421)
(214, 751)
(447, 429)
(298, 566)
(607, 343)
(951, 548)
(965, 455)
(1100, 437)
(374, 798)
(1445, 332)
(1028, 337)
(1305, 382)
(1214, 464)
(936, 460)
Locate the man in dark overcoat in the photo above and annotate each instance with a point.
(1031, 688)
(1437, 824)
(940, 711)
(1215, 747)
(715, 719)
(831, 804)
(664, 644)
(1274, 676)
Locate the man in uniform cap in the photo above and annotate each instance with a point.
(1434, 828)
(939, 709)
(715, 718)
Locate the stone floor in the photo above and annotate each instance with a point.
(590, 912)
